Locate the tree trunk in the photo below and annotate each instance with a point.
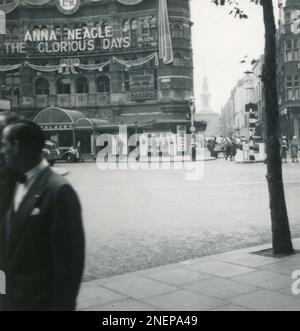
(282, 243)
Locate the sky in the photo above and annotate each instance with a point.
(220, 43)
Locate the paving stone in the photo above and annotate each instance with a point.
(95, 296)
(177, 276)
(124, 305)
(247, 260)
(183, 300)
(138, 287)
(220, 288)
(265, 279)
(286, 267)
(267, 301)
(231, 308)
(221, 269)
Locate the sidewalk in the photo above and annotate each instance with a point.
(234, 281)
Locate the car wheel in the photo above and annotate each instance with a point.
(70, 158)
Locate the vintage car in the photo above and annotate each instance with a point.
(51, 152)
(69, 154)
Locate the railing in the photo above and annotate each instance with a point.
(64, 101)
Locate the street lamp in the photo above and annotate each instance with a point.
(193, 129)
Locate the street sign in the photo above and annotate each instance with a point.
(193, 129)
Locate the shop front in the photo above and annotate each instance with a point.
(59, 125)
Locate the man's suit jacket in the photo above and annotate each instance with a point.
(42, 248)
(7, 187)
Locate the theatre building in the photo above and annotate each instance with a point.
(83, 67)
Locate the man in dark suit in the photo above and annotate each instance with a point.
(7, 175)
(42, 237)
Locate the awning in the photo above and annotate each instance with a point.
(54, 118)
(90, 124)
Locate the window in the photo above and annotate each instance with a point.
(292, 87)
(82, 85)
(292, 50)
(63, 86)
(296, 87)
(297, 49)
(126, 81)
(103, 84)
(12, 83)
(42, 86)
(288, 51)
(178, 60)
(177, 31)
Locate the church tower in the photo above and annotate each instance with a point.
(206, 113)
(205, 97)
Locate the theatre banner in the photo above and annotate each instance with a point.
(48, 41)
(142, 84)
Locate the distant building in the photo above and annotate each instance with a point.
(289, 68)
(205, 112)
(249, 89)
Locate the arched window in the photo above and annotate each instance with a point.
(63, 86)
(103, 84)
(82, 85)
(177, 31)
(178, 60)
(42, 86)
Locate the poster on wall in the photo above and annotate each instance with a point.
(142, 85)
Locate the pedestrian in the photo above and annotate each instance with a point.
(284, 149)
(42, 238)
(79, 152)
(233, 150)
(294, 150)
(228, 146)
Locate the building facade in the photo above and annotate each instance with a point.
(126, 62)
(235, 121)
(289, 68)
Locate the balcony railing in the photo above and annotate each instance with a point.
(63, 100)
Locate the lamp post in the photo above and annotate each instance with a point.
(193, 129)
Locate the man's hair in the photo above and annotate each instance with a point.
(29, 134)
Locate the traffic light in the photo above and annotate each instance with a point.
(252, 109)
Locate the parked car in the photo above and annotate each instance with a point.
(69, 154)
(51, 152)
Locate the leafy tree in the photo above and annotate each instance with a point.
(282, 243)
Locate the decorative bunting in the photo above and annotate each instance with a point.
(68, 66)
(6, 68)
(36, 2)
(139, 62)
(128, 2)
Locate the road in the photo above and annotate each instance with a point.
(146, 218)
